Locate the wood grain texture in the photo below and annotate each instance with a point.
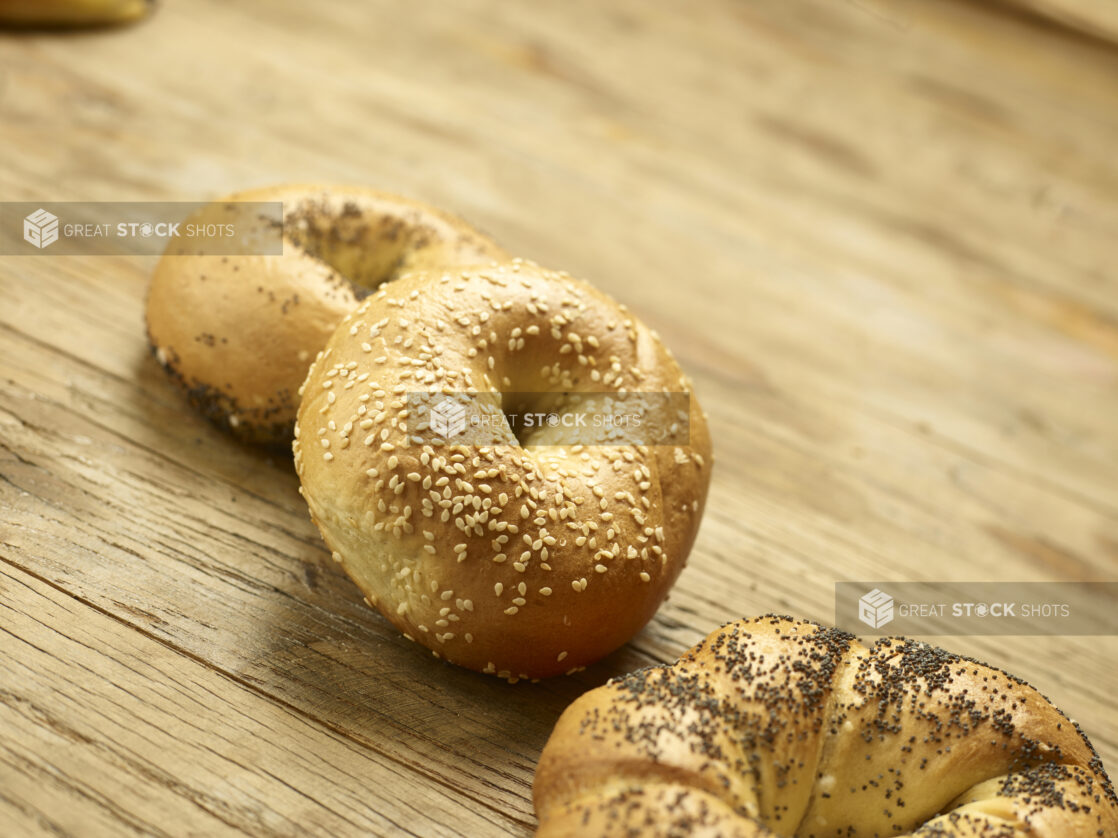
(878, 235)
(1095, 17)
(128, 736)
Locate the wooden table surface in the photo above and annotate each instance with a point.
(879, 235)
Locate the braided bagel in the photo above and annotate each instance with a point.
(239, 332)
(775, 727)
(516, 557)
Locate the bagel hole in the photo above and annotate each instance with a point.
(517, 405)
(514, 405)
(362, 254)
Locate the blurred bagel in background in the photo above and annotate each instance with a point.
(239, 332)
(63, 13)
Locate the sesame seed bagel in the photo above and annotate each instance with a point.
(777, 727)
(515, 556)
(239, 332)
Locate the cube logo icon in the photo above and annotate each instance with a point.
(875, 609)
(40, 228)
(448, 418)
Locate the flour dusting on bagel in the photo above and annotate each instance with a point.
(519, 559)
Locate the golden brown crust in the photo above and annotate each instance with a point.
(519, 561)
(801, 730)
(650, 807)
(239, 332)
